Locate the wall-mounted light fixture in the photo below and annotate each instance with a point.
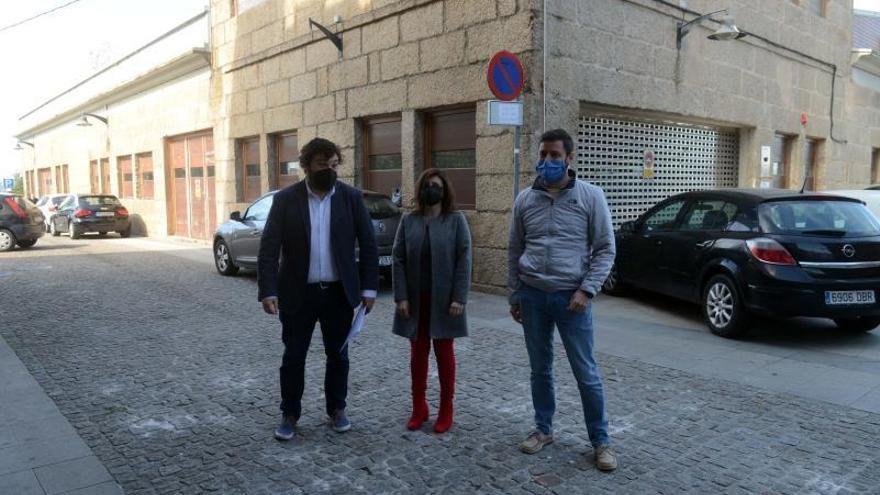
(20, 142)
(84, 120)
(727, 32)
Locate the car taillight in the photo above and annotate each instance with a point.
(15, 208)
(769, 251)
(81, 213)
(122, 212)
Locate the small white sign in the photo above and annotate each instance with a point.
(509, 113)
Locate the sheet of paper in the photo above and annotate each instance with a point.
(356, 325)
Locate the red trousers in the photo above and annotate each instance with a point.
(420, 350)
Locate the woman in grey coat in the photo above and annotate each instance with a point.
(432, 276)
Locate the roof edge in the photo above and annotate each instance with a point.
(193, 60)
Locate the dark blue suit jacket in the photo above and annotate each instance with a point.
(288, 233)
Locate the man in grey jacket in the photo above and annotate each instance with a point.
(561, 250)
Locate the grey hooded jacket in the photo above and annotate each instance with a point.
(562, 243)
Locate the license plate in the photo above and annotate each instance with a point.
(384, 260)
(847, 297)
(104, 214)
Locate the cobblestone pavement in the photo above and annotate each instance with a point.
(169, 373)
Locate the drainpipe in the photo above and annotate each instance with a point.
(544, 73)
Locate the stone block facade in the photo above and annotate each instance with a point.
(272, 74)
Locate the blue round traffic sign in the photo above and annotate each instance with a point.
(505, 76)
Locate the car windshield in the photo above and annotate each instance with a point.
(87, 201)
(380, 207)
(822, 218)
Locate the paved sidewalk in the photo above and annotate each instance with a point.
(40, 452)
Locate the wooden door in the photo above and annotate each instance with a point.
(105, 175)
(44, 181)
(191, 201)
(178, 197)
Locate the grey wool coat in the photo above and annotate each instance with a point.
(450, 274)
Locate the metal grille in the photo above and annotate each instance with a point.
(611, 154)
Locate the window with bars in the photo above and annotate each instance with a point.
(611, 153)
(451, 145)
(144, 167)
(125, 178)
(249, 156)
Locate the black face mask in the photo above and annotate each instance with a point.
(323, 180)
(431, 194)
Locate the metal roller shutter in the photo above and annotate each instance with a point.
(611, 154)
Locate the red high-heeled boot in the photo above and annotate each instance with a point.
(420, 350)
(443, 349)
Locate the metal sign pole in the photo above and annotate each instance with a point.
(516, 158)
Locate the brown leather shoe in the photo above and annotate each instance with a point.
(535, 442)
(606, 459)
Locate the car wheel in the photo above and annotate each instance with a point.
(723, 310)
(27, 244)
(53, 230)
(223, 259)
(613, 286)
(7, 240)
(125, 234)
(859, 324)
(75, 233)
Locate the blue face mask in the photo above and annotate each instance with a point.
(551, 171)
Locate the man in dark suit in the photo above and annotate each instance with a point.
(315, 225)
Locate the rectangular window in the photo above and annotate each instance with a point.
(94, 177)
(249, 152)
(451, 145)
(875, 166)
(382, 158)
(125, 176)
(287, 170)
(812, 158)
(144, 166)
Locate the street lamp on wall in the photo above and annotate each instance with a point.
(727, 32)
(19, 143)
(84, 120)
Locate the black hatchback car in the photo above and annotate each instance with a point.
(21, 222)
(82, 213)
(744, 251)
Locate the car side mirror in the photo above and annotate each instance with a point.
(235, 215)
(628, 227)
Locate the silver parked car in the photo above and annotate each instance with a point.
(237, 241)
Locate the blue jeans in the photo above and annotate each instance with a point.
(540, 312)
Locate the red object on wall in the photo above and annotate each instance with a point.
(803, 118)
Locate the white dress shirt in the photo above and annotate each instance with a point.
(322, 267)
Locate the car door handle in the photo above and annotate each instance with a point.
(705, 244)
(255, 233)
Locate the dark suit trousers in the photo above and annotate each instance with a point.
(330, 307)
